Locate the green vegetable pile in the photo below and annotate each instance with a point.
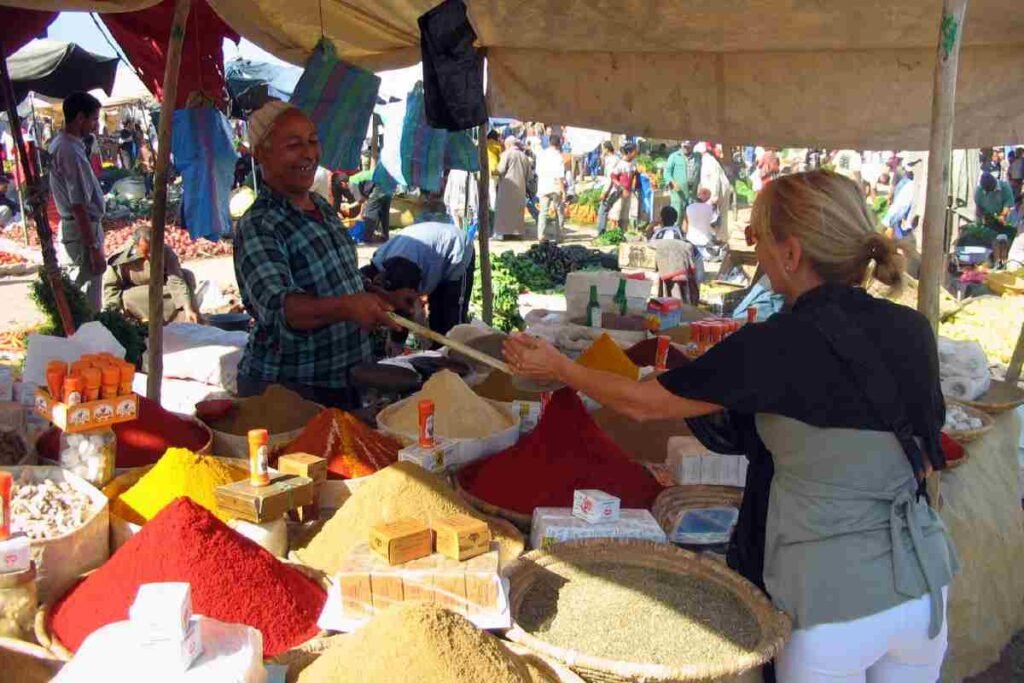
(130, 333)
(560, 261)
(976, 235)
(744, 192)
(590, 198)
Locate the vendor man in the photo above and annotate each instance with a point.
(993, 201)
(297, 272)
(435, 259)
(126, 282)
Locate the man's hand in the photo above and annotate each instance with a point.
(403, 300)
(672, 185)
(369, 311)
(190, 316)
(97, 259)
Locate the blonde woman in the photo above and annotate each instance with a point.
(836, 401)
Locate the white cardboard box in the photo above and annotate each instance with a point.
(556, 525)
(437, 458)
(175, 654)
(163, 611)
(15, 554)
(595, 507)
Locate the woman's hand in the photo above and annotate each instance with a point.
(533, 357)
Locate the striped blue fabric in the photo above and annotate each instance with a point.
(339, 98)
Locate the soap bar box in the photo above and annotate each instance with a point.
(595, 506)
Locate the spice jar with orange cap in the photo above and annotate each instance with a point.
(92, 379)
(127, 375)
(111, 379)
(56, 370)
(259, 457)
(72, 390)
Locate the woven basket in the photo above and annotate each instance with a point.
(543, 669)
(26, 662)
(521, 521)
(775, 626)
(50, 642)
(968, 435)
(675, 499)
(1000, 397)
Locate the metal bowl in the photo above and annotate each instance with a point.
(972, 255)
(230, 322)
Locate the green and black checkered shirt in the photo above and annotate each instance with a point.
(281, 250)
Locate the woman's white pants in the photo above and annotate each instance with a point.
(888, 647)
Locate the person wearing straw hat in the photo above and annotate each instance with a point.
(298, 274)
(840, 419)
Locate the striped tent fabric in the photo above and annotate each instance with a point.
(339, 98)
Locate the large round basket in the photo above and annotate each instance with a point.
(121, 530)
(676, 499)
(50, 642)
(774, 625)
(543, 669)
(1000, 397)
(521, 521)
(26, 662)
(967, 435)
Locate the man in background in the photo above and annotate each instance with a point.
(993, 201)
(9, 209)
(623, 179)
(78, 196)
(682, 176)
(126, 282)
(551, 188)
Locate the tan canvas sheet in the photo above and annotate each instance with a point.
(981, 508)
(785, 72)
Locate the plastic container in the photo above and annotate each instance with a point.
(111, 375)
(6, 483)
(19, 601)
(93, 379)
(259, 457)
(90, 455)
(426, 435)
(73, 386)
(127, 377)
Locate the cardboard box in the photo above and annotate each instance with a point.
(265, 503)
(401, 540)
(461, 537)
(15, 554)
(368, 583)
(173, 654)
(595, 506)
(638, 255)
(162, 610)
(555, 525)
(664, 313)
(88, 415)
(437, 458)
(305, 465)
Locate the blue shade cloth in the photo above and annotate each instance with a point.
(422, 152)
(205, 155)
(339, 98)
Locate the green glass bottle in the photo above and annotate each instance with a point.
(593, 309)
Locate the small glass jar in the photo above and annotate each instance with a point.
(91, 455)
(19, 600)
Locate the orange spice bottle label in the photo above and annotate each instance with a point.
(426, 408)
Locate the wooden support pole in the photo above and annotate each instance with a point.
(483, 232)
(1013, 369)
(159, 216)
(940, 145)
(33, 180)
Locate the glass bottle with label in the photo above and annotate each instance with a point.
(593, 309)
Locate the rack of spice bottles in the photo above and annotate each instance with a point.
(85, 399)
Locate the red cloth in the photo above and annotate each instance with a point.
(143, 37)
(21, 26)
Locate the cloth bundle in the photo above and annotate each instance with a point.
(963, 369)
(339, 98)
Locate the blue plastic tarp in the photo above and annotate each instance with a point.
(205, 155)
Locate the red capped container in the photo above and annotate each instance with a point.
(426, 407)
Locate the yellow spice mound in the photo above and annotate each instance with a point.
(401, 490)
(180, 472)
(605, 354)
(417, 643)
(458, 412)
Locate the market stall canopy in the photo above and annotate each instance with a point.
(837, 74)
(55, 68)
(252, 83)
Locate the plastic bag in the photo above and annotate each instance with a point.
(704, 526)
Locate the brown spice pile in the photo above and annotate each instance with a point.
(499, 387)
(401, 490)
(416, 643)
(458, 412)
(674, 620)
(277, 410)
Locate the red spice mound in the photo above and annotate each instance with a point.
(144, 440)
(645, 353)
(350, 447)
(565, 452)
(233, 580)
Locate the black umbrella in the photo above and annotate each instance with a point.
(57, 69)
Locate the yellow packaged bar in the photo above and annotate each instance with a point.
(305, 465)
(450, 585)
(482, 583)
(401, 541)
(354, 581)
(461, 537)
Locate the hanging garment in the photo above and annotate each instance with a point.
(339, 98)
(453, 70)
(204, 154)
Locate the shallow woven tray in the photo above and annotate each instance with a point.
(968, 435)
(674, 499)
(551, 671)
(775, 626)
(49, 640)
(518, 519)
(26, 662)
(1000, 397)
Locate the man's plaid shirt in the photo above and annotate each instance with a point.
(281, 250)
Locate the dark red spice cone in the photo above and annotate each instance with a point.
(566, 451)
(233, 580)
